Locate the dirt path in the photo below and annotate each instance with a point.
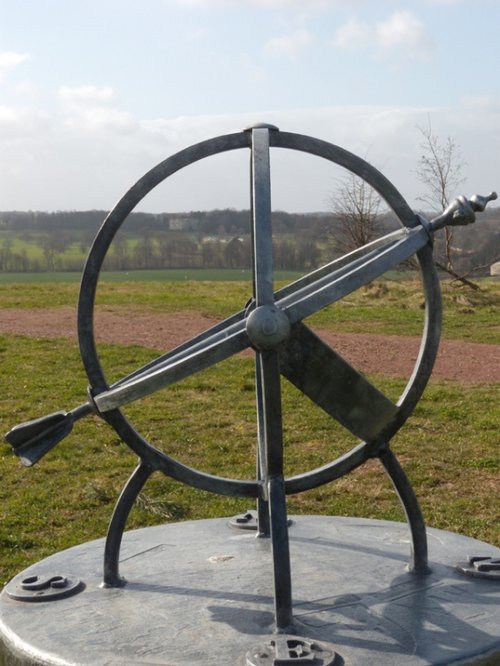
(459, 361)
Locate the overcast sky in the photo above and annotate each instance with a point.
(93, 93)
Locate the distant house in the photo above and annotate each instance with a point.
(495, 269)
(183, 223)
(178, 223)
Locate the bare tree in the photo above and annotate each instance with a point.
(356, 207)
(440, 170)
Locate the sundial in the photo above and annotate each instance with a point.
(277, 624)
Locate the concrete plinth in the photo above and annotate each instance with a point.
(201, 593)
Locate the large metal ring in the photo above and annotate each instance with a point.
(157, 459)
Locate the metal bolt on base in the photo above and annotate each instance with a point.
(43, 587)
(287, 650)
(249, 520)
(481, 567)
(245, 521)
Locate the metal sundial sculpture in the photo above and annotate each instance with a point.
(273, 325)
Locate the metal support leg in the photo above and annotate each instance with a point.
(269, 380)
(116, 527)
(418, 559)
(281, 555)
(263, 521)
(263, 517)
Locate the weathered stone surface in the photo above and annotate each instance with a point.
(200, 592)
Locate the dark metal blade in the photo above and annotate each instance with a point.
(335, 386)
(33, 439)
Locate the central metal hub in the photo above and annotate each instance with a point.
(267, 327)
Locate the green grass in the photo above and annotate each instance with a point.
(449, 446)
(386, 307)
(164, 275)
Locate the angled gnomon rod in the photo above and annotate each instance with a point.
(33, 439)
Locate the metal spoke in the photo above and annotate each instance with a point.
(188, 347)
(269, 390)
(343, 265)
(261, 218)
(174, 370)
(313, 297)
(268, 378)
(268, 386)
(336, 269)
(228, 337)
(329, 381)
(263, 524)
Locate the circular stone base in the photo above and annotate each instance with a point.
(200, 592)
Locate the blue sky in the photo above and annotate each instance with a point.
(95, 92)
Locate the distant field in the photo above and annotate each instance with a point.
(386, 306)
(165, 275)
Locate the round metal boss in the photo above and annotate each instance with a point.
(46, 587)
(267, 327)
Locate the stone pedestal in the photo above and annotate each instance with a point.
(200, 592)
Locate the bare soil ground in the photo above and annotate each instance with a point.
(464, 362)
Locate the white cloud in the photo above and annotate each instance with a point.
(289, 46)
(481, 103)
(21, 122)
(272, 4)
(9, 60)
(92, 109)
(102, 119)
(77, 161)
(27, 89)
(197, 34)
(86, 95)
(402, 31)
(269, 4)
(401, 34)
(354, 35)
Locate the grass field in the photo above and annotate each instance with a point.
(449, 447)
(164, 275)
(390, 306)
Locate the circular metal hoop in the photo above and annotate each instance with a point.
(158, 460)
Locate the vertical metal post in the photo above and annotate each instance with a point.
(263, 523)
(270, 456)
(269, 379)
(262, 241)
(261, 209)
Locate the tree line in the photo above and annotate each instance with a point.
(221, 238)
(59, 241)
(218, 253)
(63, 250)
(222, 222)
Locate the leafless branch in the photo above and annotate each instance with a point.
(440, 170)
(356, 208)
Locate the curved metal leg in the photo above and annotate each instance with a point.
(116, 527)
(418, 559)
